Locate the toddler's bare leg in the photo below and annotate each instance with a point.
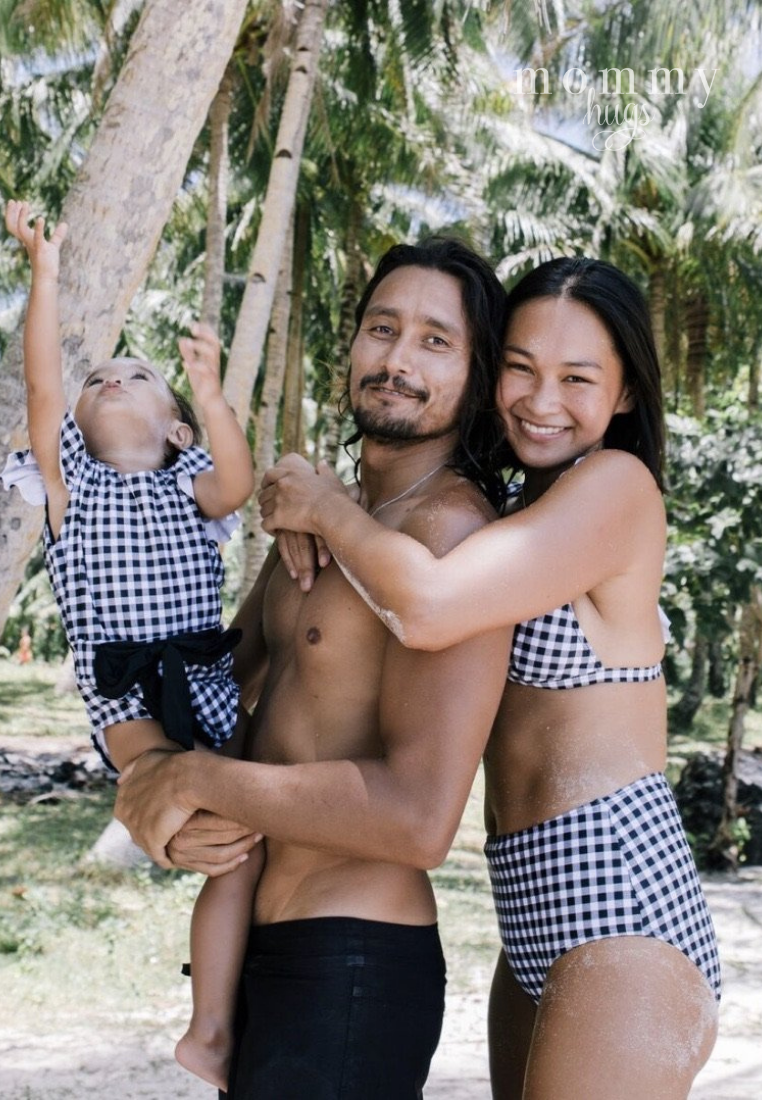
(219, 931)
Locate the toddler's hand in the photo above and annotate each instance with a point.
(43, 254)
(201, 358)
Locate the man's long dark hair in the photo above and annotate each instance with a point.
(484, 306)
(622, 309)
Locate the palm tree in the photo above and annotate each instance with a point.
(117, 208)
(277, 210)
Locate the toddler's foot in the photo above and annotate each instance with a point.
(208, 1060)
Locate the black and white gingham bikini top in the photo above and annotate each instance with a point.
(552, 652)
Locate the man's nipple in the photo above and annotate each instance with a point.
(314, 635)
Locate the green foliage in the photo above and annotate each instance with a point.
(714, 504)
(44, 893)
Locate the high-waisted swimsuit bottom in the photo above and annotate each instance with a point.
(617, 866)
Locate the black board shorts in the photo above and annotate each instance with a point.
(337, 1008)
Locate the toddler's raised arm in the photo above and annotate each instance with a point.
(231, 482)
(46, 402)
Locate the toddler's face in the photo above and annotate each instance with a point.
(125, 396)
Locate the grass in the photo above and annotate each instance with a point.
(79, 942)
(30, 706)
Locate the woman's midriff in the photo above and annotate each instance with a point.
(550, 751)
(300, 883)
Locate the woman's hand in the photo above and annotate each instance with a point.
(294, 493)
(211, 844)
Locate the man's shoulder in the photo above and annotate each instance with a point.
(447, 516)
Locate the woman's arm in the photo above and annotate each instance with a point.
(593, 524)
(403, 805)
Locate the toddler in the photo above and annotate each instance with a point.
(134, 513)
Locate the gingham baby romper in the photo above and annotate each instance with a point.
(135, 560)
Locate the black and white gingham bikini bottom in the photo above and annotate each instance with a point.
(617, 866)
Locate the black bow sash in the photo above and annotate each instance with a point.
(119, 666)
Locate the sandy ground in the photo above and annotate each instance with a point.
(75, 1063)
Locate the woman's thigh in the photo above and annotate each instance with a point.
(512, 1015)
(626, 1017)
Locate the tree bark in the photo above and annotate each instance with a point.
(293, 386)
(697, 324)
(277, 210)
(724, 851)
(753, 394)
(657, 304)
(257, 542)
(217, 207)
(116, 211)
(716, 671)
(340, 368)
(684, 711)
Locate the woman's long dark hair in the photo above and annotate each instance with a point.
(484, 305)
(620, 306)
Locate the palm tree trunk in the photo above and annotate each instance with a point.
(724, 849)
(293, 386)
(753, 394)
(217, 209)
(277, 210)
(257, 542)
(116, 211)
(349, 297)
(657, 304)
(697, 324)
(684, 711)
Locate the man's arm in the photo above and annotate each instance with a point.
(436, 712)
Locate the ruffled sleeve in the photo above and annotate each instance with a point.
(73, 451)
(21, 470)
(189, 463)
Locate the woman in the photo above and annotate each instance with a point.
(609, 979)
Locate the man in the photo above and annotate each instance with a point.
(343, 987)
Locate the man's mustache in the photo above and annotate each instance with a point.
(383, 378)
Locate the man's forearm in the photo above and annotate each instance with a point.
(361, 809)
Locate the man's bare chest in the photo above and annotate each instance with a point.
(323, 632)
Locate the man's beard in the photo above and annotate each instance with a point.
(385, 427)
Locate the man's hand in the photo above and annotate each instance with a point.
(43, 254)
(201, 358)
(211, 845)
(148, 805)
